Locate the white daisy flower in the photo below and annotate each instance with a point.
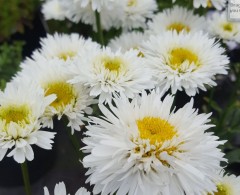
(108, 73)
(136, 12)
(186, 62)
(21, 106)
(53, 9)
(221, 27)
(60, 189)
(178, 19)
(142, 147)
(72, 101)
(218, 4)
(228, 185)
(127, 41)
(63, 46)
(109, 18)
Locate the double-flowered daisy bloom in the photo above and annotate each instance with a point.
(72, 101)
(186, 62)
(136, 12)
(60, 189)
(21, 107)
(109, 73)
(64, 47)
(127, 41)
(219, 26)
(178, 19)
(142, 147)
(228, 185)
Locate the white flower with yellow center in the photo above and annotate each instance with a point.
(108, 73)
(127, 41)
(64, 47)
(177, 18)
(218, 4)
(72, 101)
(21, 107)
(53, 9)
(97, 4)
(136, 13)
(221, 27)
(228, 185)
(60, 189)
(142, 147)
(186, 62)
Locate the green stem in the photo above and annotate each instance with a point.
(75, 142)
(99, 27)
(26, 180)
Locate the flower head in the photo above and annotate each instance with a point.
(177, 18)
(72, 101)
(142, 147)
(109, 73)
(21, 107)
(185, 61)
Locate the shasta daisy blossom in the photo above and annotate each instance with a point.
(142, 147)
(228, 185)
(97, 4)
(64, 47)
(186, 62)
(127, 41)
(221, 27)
(136, 12)
(218, 4)
(178, 19)
(108, 73)
(21, 107)
(60, 189)
(72, 101)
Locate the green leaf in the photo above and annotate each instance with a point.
(233, 156)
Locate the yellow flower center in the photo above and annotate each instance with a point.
(155, 129)
(222, 190)
(132, 3)
(65, 55)
(64, 92)
(112, 64)
(209, 4)
(228, 27)
(15, 113)
(178, 27)
(180, 55)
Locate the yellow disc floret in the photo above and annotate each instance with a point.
(180, 55)
(65, 55)
(228, 27)
(64, 92)
(179, 27)
(155, 129)
(132, 3)
(223, 189)
(113, 64)
(15, 113)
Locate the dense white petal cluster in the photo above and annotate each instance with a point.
(72, 101)
(64, 47)
(127, 41)
(178, 19)
(218, 4)
(110, 73)
(219, 26)
(60, 189)
(127, 14)
(21, 107)
(186, 62)
(142, 147)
